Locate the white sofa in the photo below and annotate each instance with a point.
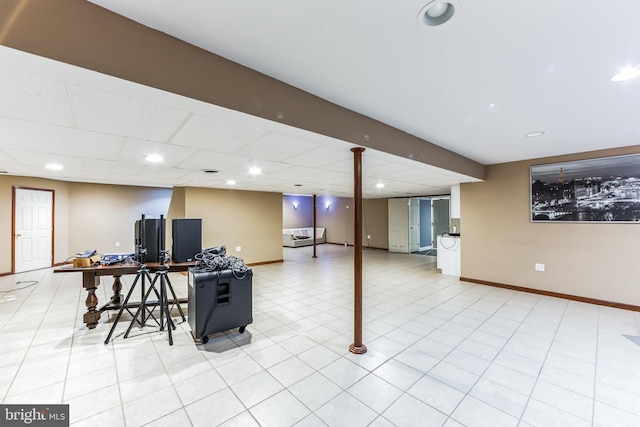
(295, 237)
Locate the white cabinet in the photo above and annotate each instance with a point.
(449, 255)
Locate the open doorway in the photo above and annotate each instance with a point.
(434, 220)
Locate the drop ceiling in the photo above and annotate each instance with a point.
(476, 86)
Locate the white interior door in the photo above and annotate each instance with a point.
(33, 229)
(399, 225)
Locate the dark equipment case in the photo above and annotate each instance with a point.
(219, 301)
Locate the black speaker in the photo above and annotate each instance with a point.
(147, 234)
(187, 239)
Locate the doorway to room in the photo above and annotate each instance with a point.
(32, 246)
(434, 220)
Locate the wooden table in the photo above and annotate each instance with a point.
(91, 280)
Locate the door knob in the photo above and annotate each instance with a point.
(18, 235)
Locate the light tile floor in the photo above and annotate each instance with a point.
(440, 352)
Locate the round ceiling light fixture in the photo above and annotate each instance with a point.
(534, 134)
(54, 166)
(154, 158)
(437, 12)
(625, 74)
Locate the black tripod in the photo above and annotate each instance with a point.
(165, 310)
(144, 312)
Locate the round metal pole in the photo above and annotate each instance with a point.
(314, 226)
(357, 347)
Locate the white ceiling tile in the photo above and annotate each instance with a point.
(72, 164)
(5, 159)
(276, 147)
(158, 171)
(205, 159)
(293, 172)
(34, 136)
(267, 167)
(125, 179)
(115, 114)
(321, 157)
(33, 97)
(215, 135)
(385, 169)
(136, 150)
(330, 178)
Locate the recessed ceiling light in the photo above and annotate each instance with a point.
(209, 171)
(154, 158)
(437, 12)
(54, 166)
(626, 74)
(297, 185)
(255, 171)
(380, 185)
(534, 134)
(231, 182)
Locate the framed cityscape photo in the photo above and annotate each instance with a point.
(596, 190)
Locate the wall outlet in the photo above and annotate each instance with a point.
(539, 267)
(238, 248)
(117, 244)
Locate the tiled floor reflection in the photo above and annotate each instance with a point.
(440, 353)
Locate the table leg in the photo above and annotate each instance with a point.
(117, 287)
(90, 282)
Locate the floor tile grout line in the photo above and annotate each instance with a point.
(467, 394)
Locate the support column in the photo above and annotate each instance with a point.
(315, 208)
(357, 347)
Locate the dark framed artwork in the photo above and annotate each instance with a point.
(595, 190)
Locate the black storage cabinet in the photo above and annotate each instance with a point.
(219, 301)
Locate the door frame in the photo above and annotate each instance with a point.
(13, 222)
